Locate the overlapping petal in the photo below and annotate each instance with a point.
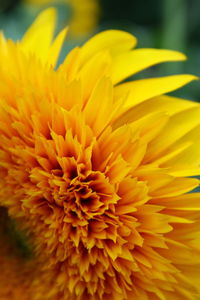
(97, 173)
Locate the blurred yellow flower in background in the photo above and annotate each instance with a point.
(84, 14)
(96, 173)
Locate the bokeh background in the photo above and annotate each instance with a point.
(171, 24)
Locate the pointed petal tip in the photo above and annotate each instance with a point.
(174, 55)
(46, 15)
(190, 77)
(115, 41)
(178, 55)
(124, 34)
(48, 12)
(57, 46)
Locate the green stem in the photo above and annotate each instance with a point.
(174, 34)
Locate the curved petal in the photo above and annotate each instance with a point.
(55, 48)
(129, 63)
(169, 104)
(38, 38)
(115, 41)
(179, 126)
(140, 90)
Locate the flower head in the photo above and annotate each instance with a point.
(97, 173)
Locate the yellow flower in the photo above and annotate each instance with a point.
(85, 14)
(97, 173)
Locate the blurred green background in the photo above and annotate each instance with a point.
(171, 24)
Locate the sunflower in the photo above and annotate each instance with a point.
(97, 176)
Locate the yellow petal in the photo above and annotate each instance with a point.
(150, 125)
(140, 90)
(167, 104)
(38, 37)
(184, 171)
(115, 41)
(97, 112)
(183, 202)
(71, 64)
(179, 125)
(175, 188)
(175, 219)
(55, 48)
(187, 161)
(127, 64)
(102, 62)
(172, 154)
(155, 177)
